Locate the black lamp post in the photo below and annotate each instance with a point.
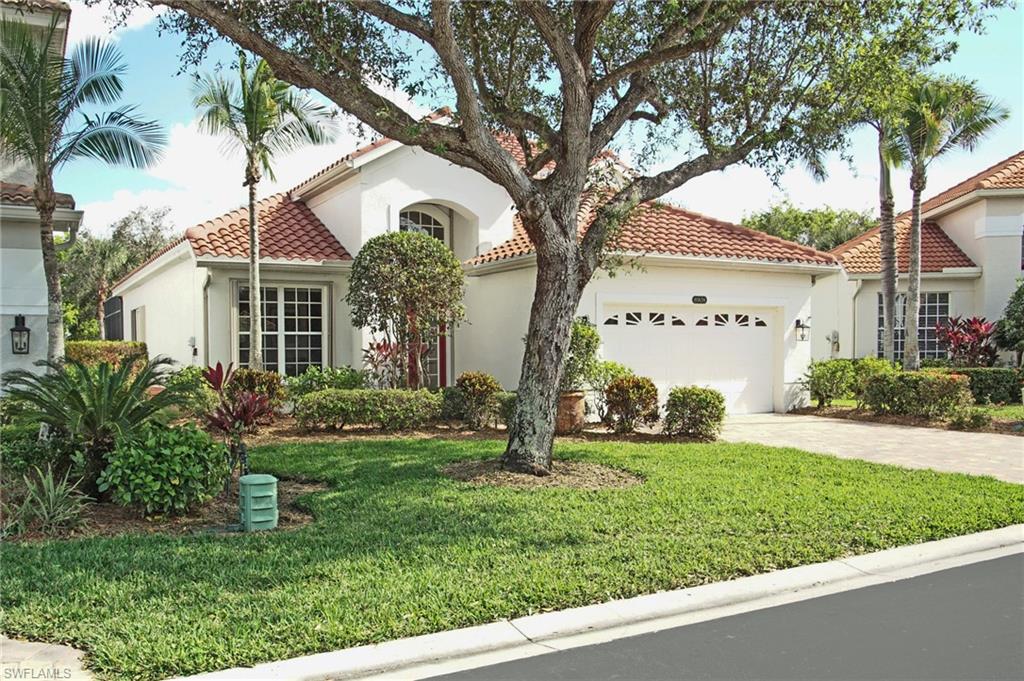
(20, 336)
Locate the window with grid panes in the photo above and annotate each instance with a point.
(934, 309)
(293, 328)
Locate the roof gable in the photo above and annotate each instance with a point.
(863, 254)
(1007, 174)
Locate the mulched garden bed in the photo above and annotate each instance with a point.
(106, 520)
(853, 414)
(572, 474)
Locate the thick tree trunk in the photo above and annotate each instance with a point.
(255, 297)
(890, 268)
(46, 203)
(531, 433)
(911, 352)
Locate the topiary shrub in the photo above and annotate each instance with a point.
(258, 382)
(452, 407)
(996, 385)
(506, 406)
(604, 373)
(864, 369)
(632, 401)
(927, 394)
(385, 409)
(695, 412)
(478, 391)
(315, 378)
(581, 356)
(165, 470)
(829, 380)
(92, 353)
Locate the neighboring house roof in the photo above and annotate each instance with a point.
(661, 229)
(55, 5)
(289, 230)
(863, 254)
(21, 195)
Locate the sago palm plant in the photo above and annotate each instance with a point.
(262, 116)
(42, 96)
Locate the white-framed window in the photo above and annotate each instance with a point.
(424, 222)
(295, 319)
(138, 320)
(934, 309)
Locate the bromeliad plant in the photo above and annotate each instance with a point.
(237, 414)
(970, 342)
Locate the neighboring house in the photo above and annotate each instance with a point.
(972, 254)
(22, 282)
(710, 304)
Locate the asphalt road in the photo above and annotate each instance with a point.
(964, 623)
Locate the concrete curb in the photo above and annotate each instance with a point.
(536, 634)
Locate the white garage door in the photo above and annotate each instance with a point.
(729, 349)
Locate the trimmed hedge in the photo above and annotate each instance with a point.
(315, 378)
(95, 352)
(695, 412)
(998, 385)
(929, 394)
(632, 401)
(389, 409)
(830, 379)
(478, 391)
(866, 368)
(506, 406)
(267, 383)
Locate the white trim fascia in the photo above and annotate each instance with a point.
(948, 273)
(342, 171)
(179, 252)
(279, 263)
(970, 197)
(530, 259)
(61, 216)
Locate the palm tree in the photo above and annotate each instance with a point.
(41, 91)
(937, 116)
(887, 236)
(262, 116)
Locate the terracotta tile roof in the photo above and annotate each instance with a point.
(21, 195)
(863, 254)
(659, 228)
(1007, 174)
(288, 231)
(55, 5)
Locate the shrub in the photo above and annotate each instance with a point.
(829, 380)
(928, 394)
(581, 356)
(315, 378)
(198, 398)
(165, 470)
(258, 382)
(92, 407)
(385, 409)
(866, 368)
(478, 391)
(695, 412)
(21, 448)
(92, 353)
(632, 401)
(999, 385)
(452, 407)
(238, 413)
(506, 406)
(1010, 330)
(604, 373)
(970, 418)
(51, 504)
(970, 342)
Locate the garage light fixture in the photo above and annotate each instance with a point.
(803, 330)
(19, 336)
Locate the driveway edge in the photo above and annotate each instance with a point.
(537, 634)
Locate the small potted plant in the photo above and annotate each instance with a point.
(579, 366)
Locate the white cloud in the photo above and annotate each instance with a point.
(96, 20)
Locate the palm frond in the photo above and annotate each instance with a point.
(96, 68)
(116, 137)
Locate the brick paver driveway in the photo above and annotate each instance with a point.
(1001, 456)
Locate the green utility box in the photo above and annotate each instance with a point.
(257, 501)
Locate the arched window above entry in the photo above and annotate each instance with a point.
(421, 221)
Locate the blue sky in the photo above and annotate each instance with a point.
(198, 181)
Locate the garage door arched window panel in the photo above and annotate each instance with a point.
(703, 321)
(633, 318)
(656, 318)
(612, 320)
(294, 327)
(678, 321)
(742, 320)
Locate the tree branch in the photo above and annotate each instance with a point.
(408, 23)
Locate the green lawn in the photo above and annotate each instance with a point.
(399, 550)
(998, 412)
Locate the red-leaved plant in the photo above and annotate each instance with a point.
(236, 415)
(969, 342)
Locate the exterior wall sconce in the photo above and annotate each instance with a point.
(803, 330)
(20, 336)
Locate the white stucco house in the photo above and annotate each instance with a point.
(972, 254)
(711, 304)
(22, 281)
